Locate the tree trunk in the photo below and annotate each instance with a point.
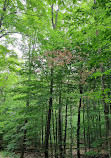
(71, 139)
(54, 133)
(65, 130)
(78, 124)
(42, 129)
(51, 146)
(59, 127)
(100, 135)
(56, 156)
(47, 133)
(84, 130)
(88, 129)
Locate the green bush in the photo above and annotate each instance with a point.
(91, 153)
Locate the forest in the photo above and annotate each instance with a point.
(55, 78)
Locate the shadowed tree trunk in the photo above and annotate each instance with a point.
(59, 127)
(56, 136)
(71, 138)
(54, 133)
(47, 132)
(51, 145)
(42, 129)
(78, 123)
(84, 130)
(65, 130)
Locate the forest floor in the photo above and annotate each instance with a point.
(1, 155)
(41, 155)
(34, 154)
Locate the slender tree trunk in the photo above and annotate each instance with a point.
(56, 156)
(84, 130)
(78, 123)
(59, 127)
(100, 125)
(88, 130)
(54, 134)
(42, 130)
(71, 138)
(51, 146)
(93, 122)
(65, 130)
(100, 135)
(47, 133)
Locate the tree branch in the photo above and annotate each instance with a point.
(7, 33)
(54, 25)
(53, 17)
(56, 17)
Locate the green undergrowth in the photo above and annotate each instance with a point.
(8, 154)
(93, 154)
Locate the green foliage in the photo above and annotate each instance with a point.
(91, 153)
(8, 154)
